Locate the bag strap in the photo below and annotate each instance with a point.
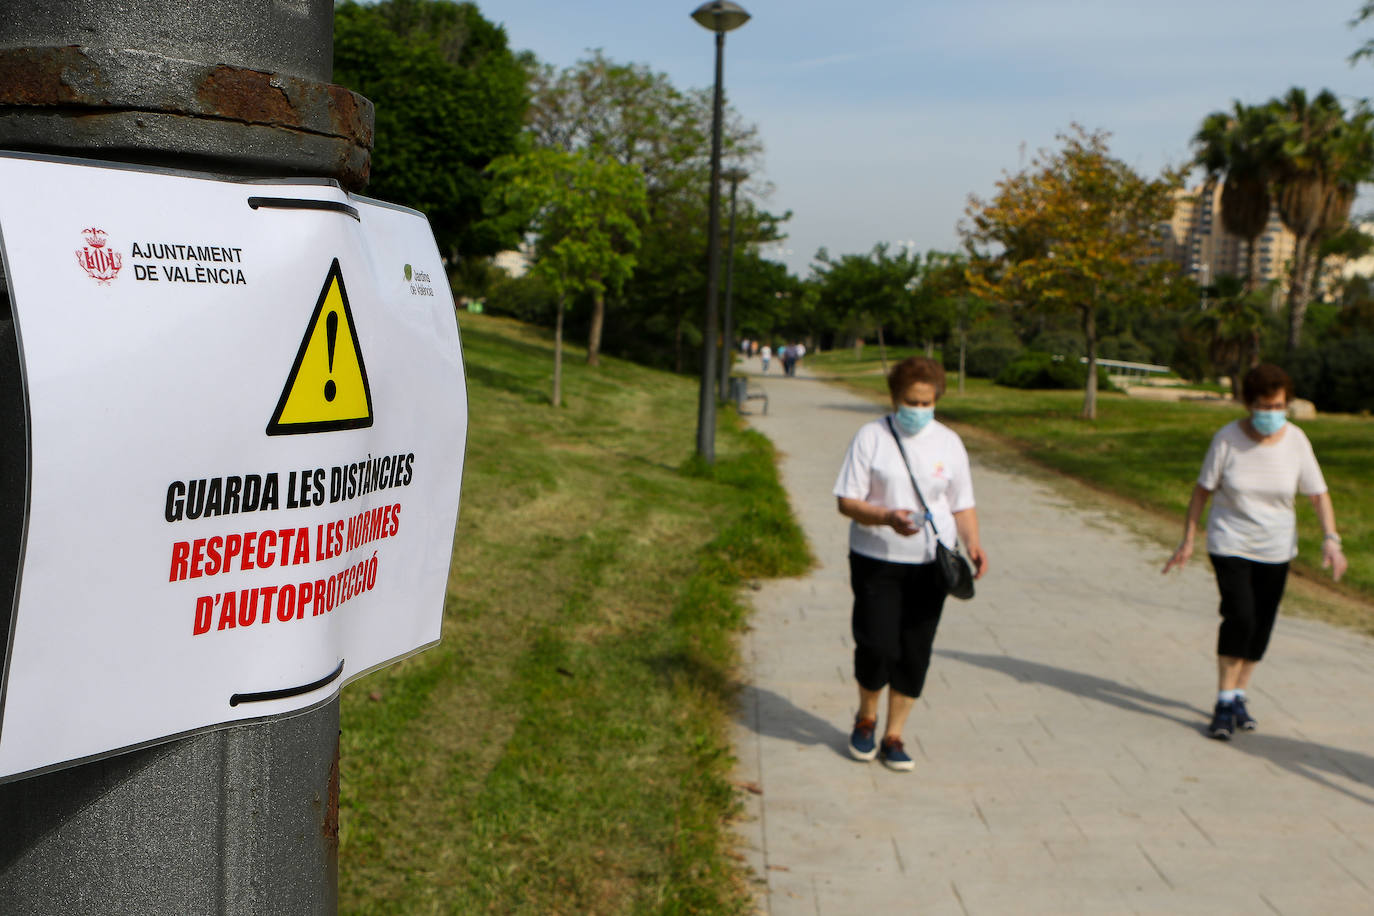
(930, 519)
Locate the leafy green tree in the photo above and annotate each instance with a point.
(1074, 232)
(450, 97)
(585, 214)
(632, 115)
(941, 301)
(873, 290)
(1366, 50)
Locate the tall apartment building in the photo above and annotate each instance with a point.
(1199, 243)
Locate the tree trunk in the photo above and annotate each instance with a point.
(1090, 339)
(882, 349)
(930, 348)
(1299, 292)
(1251, 266)
(963, 347)
(677, 347)
(558, 356)
(1237, 371)
(594, 333)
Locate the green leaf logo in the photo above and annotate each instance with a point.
(407, 271)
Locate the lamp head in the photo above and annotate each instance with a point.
(720, 15)
(734, 175)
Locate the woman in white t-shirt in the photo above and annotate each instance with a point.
(898, 593)
(1254, 467)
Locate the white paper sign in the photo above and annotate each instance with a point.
(247, 424)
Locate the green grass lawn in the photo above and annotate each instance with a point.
(564, 750)
(1150, 451)
(868, 361)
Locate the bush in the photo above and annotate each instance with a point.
(1335, 375)
(526, 298)
(1041, 370)
(987, 352)
(1068, 344)
(1124, 347)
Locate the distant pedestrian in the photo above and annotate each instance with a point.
(1255, 465)
(789, 359)
(898, 592)
(765, 354)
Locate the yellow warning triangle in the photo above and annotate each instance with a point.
(327, 387)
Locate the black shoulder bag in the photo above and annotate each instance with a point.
(954, 569)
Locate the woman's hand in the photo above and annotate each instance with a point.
(1333, 558)
(1182, 555)
(979, 558)
(903, 521)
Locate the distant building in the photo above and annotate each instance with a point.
(1198, 242)
(514, 262)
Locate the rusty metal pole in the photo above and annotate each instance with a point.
(243, 820)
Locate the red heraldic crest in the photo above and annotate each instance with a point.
(100, 262)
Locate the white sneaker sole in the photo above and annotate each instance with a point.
(860, 755)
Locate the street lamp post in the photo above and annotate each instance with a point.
(734, 176)
(720, 16)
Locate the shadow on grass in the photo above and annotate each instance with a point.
(772, 716)
(512, 345)
(499, 380)
(1307, 759)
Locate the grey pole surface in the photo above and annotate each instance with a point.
(720, 16)
(242, 820)
(734, 176)
(706, 401)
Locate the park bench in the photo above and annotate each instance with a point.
(741, 390)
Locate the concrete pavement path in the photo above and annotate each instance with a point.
(1061, 760)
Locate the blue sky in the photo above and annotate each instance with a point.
(879, 121)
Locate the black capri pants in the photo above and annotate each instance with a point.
(896, 610)
(1250, 595)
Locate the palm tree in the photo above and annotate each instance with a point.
(1322, 157)
(1237, 148)
(1232, 328)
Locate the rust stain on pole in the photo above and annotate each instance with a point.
(247, 95)
(330, 828)
(152, 106)
(35, 77)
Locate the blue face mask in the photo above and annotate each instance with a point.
(911, 420)
(1268, 422)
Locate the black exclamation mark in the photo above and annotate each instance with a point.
(331, 332)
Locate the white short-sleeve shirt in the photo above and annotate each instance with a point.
(1253, 485)
(873, 471)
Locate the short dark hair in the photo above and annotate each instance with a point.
(915, 369)
(1265, 380)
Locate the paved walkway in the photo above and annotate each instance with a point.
(1061, 762)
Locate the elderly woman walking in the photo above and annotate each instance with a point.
(1254, 466)
(898, 591)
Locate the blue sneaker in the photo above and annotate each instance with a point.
(1243, 718)
(1223, 721)
(861, 743)
(895, 757)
